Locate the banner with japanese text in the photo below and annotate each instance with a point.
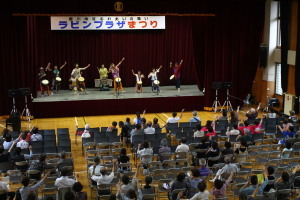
(107, 22)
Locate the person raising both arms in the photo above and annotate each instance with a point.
(177, 69)
(114, 69)
(56, 77)
(153, 76)
(139, 77)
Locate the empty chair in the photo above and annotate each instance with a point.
(50, 149)
(49, 132)
(63, 131)
(103, 129)
(63, 148)
(38, 150)
(184, 124)
(112, 139)
(63, 137)
(49, 143)
(94, 130)
(37, 144)
(64, 142)
(101, 139)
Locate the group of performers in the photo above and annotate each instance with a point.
(77, 81)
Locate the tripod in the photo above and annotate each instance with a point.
(14, 110)
(227, 103)
(26, 110)
(216, 102)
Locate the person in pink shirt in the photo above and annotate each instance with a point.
(211, 132)
(246, 125)
(256, 127)
(219, 189)
(208, 124)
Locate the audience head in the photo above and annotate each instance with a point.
(77, 187)
(201, 186)
(164, 142)
(285, 177)
(195, 173)
(146, 145)
(252, 110)
(42, 158)
(18, 151)
(114, 123)
(183, 140)
(25, 181)
(288, 145)
(246, 123)
(138, 126)
(254, 180)
(131, 194)
(244, 143)
(208, 123)
(63, 171)
(227, 145)
(174, 114)
(224, 113)
(35, 130)
(232, 115)
(125, 179)
(155, 120)
(149, 123)
(285, 121)
(138, 114)
(180, 177)
(270, 170)
(128, 120)
(87, 126)
(97, 160)
(210, 129)
(256, 122)
(198, 127)
(292, 113)
(148, 180)
(5, 132)
(121, 124)
(123, 152)
(235, 126)
(227, 160)
(8, 138)
(69, 195)
(218, 184)
(195, 113)
(203, 139)
(246, 131)
(24, 136)
(202, 162)
(143, 120)
(103, 171)
(214, 145)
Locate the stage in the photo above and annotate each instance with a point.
(94, 102)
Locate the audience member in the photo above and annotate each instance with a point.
(79, 195)
(183, 147)
(155, 123)
(144, 125)
(207, 125)
(69, 195)
(137, 131)
(127, 184)
(65, 162)
(104, 178)
(149, 129)
(203, 194)
(252, 113)
(195, 118)
(127, 122)
(271, 177)
(257, 126)
(214, 151)
(95, 169)
(233, 131)
(123, 158)
(124, 131)
(145, 160)
(234, 117)
(4, 191)
(224, 116)
(23, 144)
(164, 149)
(194, 179)
(64, 181)
(131, 194)
(36, 136)
(219, 189)
(198, 133)
(7, 141)
(112, 127)
(148, 189)
(86, 133)
(283, 183)
(204, 171)
(179, 183)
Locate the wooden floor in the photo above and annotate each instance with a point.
(103, 121)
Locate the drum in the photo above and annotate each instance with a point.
(156, 82)
(172, 77)
(58, 79)
(45, 82)
(139, 82)
(80, 79)
(118, 80)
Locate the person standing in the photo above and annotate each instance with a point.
(76, 73)
(42, 76)
(177, 69)
(56, 74)
(153, 76)
(102, 72)
(114, 69)
(139, 77)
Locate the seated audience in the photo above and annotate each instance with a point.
(224, 116)
(144, 125)
(213, 152)
(203, 194)
(149, 129)
(23, 144)
(86, 133)
(203, 145)
(256, 127)
(228, 150)
(210, 132)
(248, 188)
(95, 169)
(138, 119)
(194, 180)
(195, 118)
(112, 127)
(131, 194)
(163, 149)
(179, 183)
(104, 178)
(79, 195)
(204, 171)
(145, 151)
(288, 147)
(219, 189)
(7, 141)
(175, 119)
(183, 147)
(39, 165)
(148, 189)
(127, 121)
(246, 137)
(209, 123)
(252, 113)
(123, 158)
(124, 131)
(137, 131)
(233, 131)
(155, 123)
(35, 135)
(290, 133)
(293, 116)
(198, 133)
(4, 191)
(283, 183)
(64, 181)
(234, 117)
(270, 175)
(227, 169)
(241, 148)
(64, 162)
(127, 184)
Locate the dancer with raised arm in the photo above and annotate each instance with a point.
(139, 82)
(176, 75)
(76, 73)
(103, 72)
(114, 69)
(56, 79)
(154, 79)
(44, 83)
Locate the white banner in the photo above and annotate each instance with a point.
(107, 22)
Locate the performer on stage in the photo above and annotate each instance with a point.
(56, 77)
(177, 69)
(114, 69)
(44, 83)
(139, 77)
(77, 74)
(103, 72)
(73, 84)
(153, 76)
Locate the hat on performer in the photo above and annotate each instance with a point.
(87, 126)
(41, 68)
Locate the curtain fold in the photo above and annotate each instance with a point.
(297, 66)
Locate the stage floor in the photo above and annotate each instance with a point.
(95, 94)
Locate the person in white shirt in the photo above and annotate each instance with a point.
(86, 132)
(95, 169)
(139, 77)
(198, 133)
(145, 151)
(175, 119)
(234, 131)
(182, 147)
(227, 169)
(138, 119)
(104, 178)
(153, 76)
(76, 73)
(149, 129)
(195, 118)
(35, 135)
(23, 144)
(64, 181)
(4, 191)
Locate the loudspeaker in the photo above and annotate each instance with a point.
(216, 85)
(227, 85)
(14, 93)
(273, 102)
(263, 56)
(25, 91)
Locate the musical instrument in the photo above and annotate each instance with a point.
(45, 82)
(156, 82)
(172, 77)
(80, 79)
(58, 79)
(118, 80)
(139, 82)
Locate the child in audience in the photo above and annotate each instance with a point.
(219, 189)
(148, 189)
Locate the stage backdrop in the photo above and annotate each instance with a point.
(220, 48)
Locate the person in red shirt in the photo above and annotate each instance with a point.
(256, 127)
(177, 69)
(208, 124)
(243, 126)
(211, 132)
